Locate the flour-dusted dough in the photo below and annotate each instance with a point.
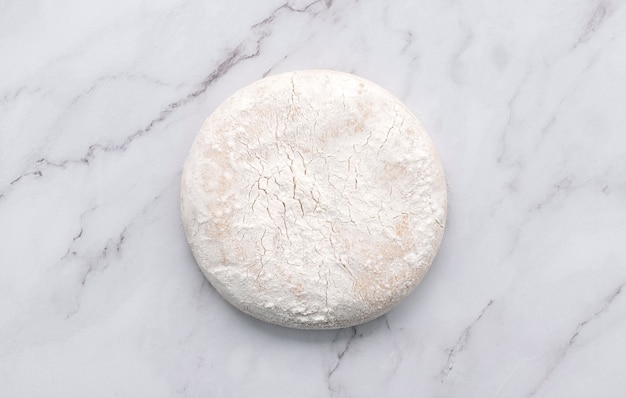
(313, 199)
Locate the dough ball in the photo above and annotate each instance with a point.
(313, 199)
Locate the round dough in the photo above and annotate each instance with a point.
(313, 199)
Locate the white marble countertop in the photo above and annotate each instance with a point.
(99, 104)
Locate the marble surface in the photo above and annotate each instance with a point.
(99, 104)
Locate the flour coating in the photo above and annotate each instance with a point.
(313, 199)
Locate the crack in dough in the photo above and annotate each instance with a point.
(313, 199)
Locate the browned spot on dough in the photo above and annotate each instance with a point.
(365, 108)
(355, 125)
(297, 289)
(394, 171)
(372, 286)
(402, 225)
